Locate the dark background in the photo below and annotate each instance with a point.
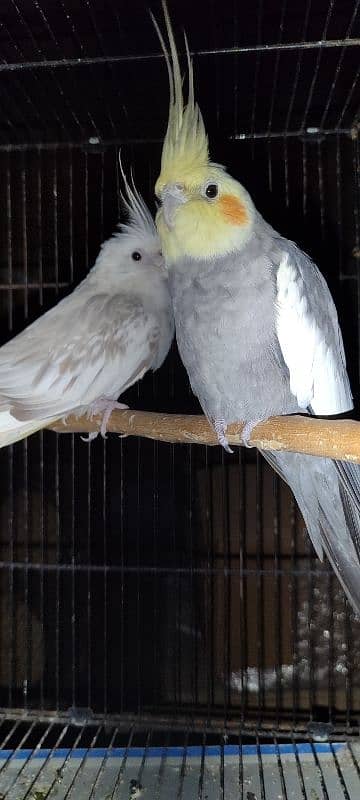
(136, 575)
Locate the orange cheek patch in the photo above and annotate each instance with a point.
(233, 210)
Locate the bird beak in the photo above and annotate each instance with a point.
(160, 263)
(172, 196)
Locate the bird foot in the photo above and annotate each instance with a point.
(247, 431)
(220, 430)
(105, 406)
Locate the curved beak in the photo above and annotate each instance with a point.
(172, 196)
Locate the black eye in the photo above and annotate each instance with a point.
(136, 256)
(211, 190)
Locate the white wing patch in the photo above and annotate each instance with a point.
(317, 371)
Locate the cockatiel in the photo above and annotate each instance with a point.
(82, 354)
(256, 326)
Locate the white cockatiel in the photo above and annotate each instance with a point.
(256, 326)
(83, 353)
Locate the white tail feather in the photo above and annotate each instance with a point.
(12, 430)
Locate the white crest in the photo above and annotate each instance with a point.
(140, 222)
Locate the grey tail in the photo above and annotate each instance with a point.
(328, 495)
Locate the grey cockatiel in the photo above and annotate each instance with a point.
(256, 326)
(82, 354)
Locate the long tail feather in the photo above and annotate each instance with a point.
(326, 496)
(350, 478)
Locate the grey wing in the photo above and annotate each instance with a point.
(309, 335)
(311, 343)
(75, 354)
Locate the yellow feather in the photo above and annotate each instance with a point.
(185, 153)
(207, 230)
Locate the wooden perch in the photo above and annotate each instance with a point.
(321, 437)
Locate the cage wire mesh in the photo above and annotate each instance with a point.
(155, 595)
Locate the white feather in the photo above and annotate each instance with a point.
(317, 367)
(11, 430)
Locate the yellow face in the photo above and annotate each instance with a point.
(207, 215)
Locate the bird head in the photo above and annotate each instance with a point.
(135, 247)
(203, 211)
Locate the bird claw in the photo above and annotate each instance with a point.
(91, 436)
(107, 406)
(220, 429)
(247, 431)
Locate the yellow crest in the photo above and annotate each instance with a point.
(185, 149)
